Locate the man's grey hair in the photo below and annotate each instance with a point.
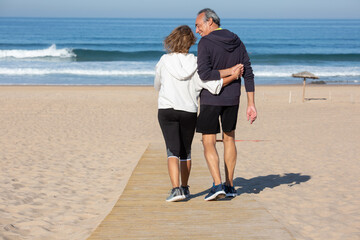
(209, 13)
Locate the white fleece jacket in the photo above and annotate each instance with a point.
(179, 84)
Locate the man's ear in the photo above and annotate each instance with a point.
(211, 21)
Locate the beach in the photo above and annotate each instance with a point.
(67, 153)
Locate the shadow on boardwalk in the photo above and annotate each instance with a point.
(258, 184)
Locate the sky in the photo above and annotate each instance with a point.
(250, 9)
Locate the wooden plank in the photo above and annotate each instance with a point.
(142, 212)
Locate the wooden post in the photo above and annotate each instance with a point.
(303, 98)
(290, 97)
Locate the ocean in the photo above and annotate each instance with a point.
(79, 51)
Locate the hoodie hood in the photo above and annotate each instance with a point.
(180, 65)
(225, 39)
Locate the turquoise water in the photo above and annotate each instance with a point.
(70, 51)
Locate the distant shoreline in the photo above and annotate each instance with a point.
(190, 18)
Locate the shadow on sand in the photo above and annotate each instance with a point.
(258, 184)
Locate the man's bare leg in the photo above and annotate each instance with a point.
(230, 155)
(212, 157)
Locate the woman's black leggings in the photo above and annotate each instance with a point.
(178, 128)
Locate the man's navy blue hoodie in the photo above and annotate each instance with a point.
(219, 50)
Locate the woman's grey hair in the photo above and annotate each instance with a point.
(209, 13)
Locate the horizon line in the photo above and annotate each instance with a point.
(176, 18)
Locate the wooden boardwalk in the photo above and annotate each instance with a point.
(142, 212)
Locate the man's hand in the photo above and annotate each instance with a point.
(251, 113)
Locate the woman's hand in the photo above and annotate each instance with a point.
(235, 73)
(230, 71)
(237, 70)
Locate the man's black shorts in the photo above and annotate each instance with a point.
(208, 119)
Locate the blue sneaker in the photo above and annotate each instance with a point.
(216, 192)
(230, 191)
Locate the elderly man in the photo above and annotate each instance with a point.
(220, 49)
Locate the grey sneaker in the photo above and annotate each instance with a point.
(186, 191)
(216, 192)
(176, 194)
(230, 191)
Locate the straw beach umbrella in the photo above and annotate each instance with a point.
(304, 75)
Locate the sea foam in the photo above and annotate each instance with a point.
(122, 69)
(84, 72)
(52, 51)
(320, 71)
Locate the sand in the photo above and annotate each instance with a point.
(67, 153)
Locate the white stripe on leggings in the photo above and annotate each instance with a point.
(185, 160)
